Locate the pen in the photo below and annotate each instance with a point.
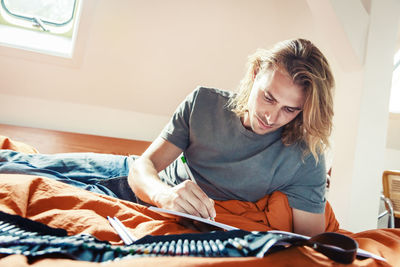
(157, 248)
(164, 248)
(192, 245)
(214, 247)
(131, 237)
(178, 248)
(185, 250)
(189, 172)
(171, 248)
(207, 248)
(120, 232)
(199, 247)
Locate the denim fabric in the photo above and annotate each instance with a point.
(89, 171)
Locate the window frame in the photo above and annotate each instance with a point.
(31, 19)
(57, 41)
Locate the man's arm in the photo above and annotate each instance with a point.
(143, 178)
(307, 223)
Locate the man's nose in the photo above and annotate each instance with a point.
(272, 116)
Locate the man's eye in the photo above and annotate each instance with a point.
(290, 110)
(268, 99)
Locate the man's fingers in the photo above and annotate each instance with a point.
(192, 203)
(212, 208)
(203, 203)
(189, 198)
(187, 207)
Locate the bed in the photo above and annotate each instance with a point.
(60, 204)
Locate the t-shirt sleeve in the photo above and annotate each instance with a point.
(177, 131)
(307, 191)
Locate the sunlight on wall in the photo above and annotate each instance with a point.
(394, 105)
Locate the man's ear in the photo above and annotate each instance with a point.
(255, 72)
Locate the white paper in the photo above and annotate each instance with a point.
(364, 253)
(207, 221)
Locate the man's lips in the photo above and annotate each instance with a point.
(263, 124)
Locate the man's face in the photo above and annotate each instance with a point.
(274, 102)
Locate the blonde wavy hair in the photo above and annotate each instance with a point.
(307, 67)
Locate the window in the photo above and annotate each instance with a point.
(44, 26)
(47, 15)
(394, 105)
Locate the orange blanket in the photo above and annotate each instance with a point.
(76, 210)
(7, 143)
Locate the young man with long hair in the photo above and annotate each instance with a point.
(269, 136)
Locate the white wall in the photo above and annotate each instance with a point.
(361, 107)
(145, 57)
(392, 159)
(392, 154)
(393, 132)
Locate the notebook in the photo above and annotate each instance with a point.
(196, 218)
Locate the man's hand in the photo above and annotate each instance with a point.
(143, 178)
(186, 197)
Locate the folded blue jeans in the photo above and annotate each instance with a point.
(100, 173)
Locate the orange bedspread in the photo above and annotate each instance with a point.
(7, 143)
(76, 210)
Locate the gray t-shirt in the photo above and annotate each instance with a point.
(230, 162)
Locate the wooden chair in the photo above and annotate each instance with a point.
(391, 195)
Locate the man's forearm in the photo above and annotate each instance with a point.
(144, 180)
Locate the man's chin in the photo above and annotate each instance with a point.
(263, 131)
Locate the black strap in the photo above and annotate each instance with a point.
(335, 246)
